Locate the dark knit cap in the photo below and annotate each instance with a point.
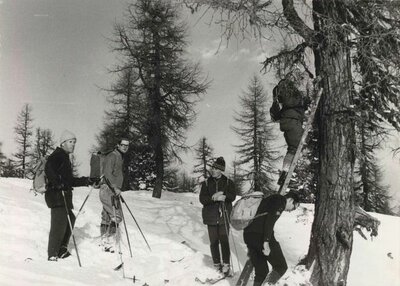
(294, 195)
(219, 164)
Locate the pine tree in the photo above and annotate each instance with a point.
(204, 156)
(255, 132)
(23, 134)
(152, 42)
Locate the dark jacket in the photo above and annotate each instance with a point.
(59, 176)
(212, 210)
(292, 101)
(274, 205)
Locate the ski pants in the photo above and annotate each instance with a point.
(218, 235)
(254, 242)
(107, 213)
(60, 231)
(292, 131)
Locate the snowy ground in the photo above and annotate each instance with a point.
(166, 223)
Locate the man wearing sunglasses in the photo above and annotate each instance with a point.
(111, 216)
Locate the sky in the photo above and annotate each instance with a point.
(55, 56)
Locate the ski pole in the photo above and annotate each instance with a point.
(126, 231)
(122, 199)
(233, 239)
(84, 202)
(117, 235)
(137, 224)
(227, 222)
(71, 228)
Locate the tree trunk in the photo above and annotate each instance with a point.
(156, 141)
(157, 120)
(364, 171)
(332, 231)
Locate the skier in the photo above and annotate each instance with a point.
(260, 240)
(289, 106)
(216, 195)
(113, 171)
(58, 196)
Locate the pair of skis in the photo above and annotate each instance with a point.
(248, 267)
(211, 281)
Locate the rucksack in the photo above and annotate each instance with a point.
(275, 111)
(39, 179)
(96, 163)
(245, 209)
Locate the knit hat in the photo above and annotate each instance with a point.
(66, 135)
(219, 164)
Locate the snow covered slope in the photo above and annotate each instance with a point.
(178, 239)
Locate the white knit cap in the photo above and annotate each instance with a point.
(66, 135)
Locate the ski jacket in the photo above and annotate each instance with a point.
(212, 212)
(273, 205)
(113, 168)
(59, 174)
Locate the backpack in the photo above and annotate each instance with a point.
(39, 182)
(245, 209)
(275, 111)
(96, 163)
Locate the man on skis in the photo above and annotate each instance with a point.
(58, 196)
(111, 213)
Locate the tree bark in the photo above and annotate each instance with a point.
(157, 137)
(332, 229)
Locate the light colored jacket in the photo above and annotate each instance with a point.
(113, 168)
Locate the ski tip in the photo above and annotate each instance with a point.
(118, 267)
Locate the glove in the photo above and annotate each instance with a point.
(117, 191)
(266, 249)
(215, 196)
(221, 198)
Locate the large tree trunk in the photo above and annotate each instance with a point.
(332, 231)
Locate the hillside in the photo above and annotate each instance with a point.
(166, 223)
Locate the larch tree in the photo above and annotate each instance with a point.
(126, 118)
(255, 133)
(332, 33)
(204, 156)
(23, 135)
(44, 143)
(152, 41)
